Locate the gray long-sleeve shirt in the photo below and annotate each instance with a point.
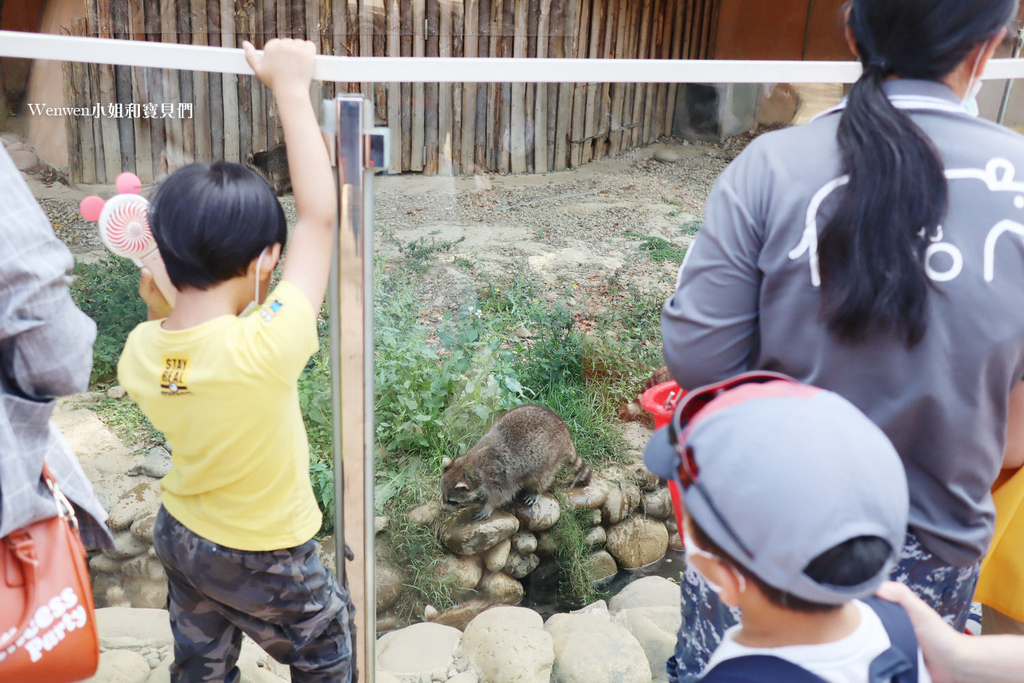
(45, 351)
(749, 297)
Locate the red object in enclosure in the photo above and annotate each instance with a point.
(660, 401)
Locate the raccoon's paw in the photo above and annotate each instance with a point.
(530, 498)
(482, 514)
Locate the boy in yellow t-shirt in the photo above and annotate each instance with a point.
(235, 533)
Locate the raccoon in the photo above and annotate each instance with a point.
(272, 165)
(521, 452)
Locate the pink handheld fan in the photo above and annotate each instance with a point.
(124, 228)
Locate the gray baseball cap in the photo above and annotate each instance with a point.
(783, 472)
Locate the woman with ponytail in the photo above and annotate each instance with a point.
(878, 252)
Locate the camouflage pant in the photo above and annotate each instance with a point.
(285, 600)
(946, 588)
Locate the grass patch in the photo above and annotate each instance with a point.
(128, 422)
(659, 249)
(108, 292)
(420, 252)
(573, 556)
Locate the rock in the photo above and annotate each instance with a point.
(602, 566)
(657, 503)
(502, 588)
(463, 613)
(519, 566)
(523, 333)
(156, 464)
(589, 497)
(380, 523)
(142, 529)
(496, 557)
(524, 543)
(510, 645)
(122, 627)
(145, 566)
(650, 591)
(391, 622)
(779, 106)
(464, 536)
(390, 583)
(147, 593)
(127, 547)
(386, 677)
(540, 516)
(139, 502)
(594, 518)
(464, 677)
(674, 541)
(25, 160)
(121, 666)
(464, 570)
(638, 541)
(590, 648)
(656, 629)
(418, 649)
(106, 565)
(596, 537)
(117, 392)
(598, 607)
(666, 156)
(545, 543)
(426, 514)
(623, 498)
(10, 139)
(644, 478)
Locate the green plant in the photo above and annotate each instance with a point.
(128, 422)
(107, 291)
(572, 554)
(659, 249)
(691, 228)
(419, 252)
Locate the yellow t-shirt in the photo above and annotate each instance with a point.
(225, 395)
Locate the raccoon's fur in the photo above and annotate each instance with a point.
(521, 452)
(272, 165)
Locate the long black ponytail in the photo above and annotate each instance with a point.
(871, 252)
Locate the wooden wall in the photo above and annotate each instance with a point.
(436, 128)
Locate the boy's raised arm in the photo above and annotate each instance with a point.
(286, 67)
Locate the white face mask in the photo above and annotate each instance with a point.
(256, 294)
(693, 550)
(970, 100)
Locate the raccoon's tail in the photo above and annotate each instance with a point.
(583, 471)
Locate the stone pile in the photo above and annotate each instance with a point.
(625, 641)
(631, 524)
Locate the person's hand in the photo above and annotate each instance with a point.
(939, 642)
(285, 63)
(158, 306)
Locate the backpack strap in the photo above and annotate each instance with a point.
(758, 669)
(898, 664)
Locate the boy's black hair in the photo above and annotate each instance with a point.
(211, 220)
(848, 564)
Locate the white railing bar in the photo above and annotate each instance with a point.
(449, 69)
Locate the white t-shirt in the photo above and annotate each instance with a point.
(843, 661)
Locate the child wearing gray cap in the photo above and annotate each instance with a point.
(796, 508)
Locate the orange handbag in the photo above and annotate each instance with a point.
(48, 621)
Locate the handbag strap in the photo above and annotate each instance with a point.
(23, 549)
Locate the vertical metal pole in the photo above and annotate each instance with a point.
(351, 322)
(1018, 42)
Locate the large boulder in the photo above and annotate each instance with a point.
(524, 543)
(495, 557)
(502, 588)
(141, 501)
(623, 498)
(602, 566)
(519, 566)
(421, 649)
(121, 666)
(638, 541)
(657, 503)
(121, 628)
(464, 571)
(589, 497)
(389, 582)
(460, 615)
(656, 629)
(540, 516)
(589, 648)
(465, 536)
(650, 591)
(509, 645)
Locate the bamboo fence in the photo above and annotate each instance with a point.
(154, 121)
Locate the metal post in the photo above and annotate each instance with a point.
(351, 323)
(1018, 42)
